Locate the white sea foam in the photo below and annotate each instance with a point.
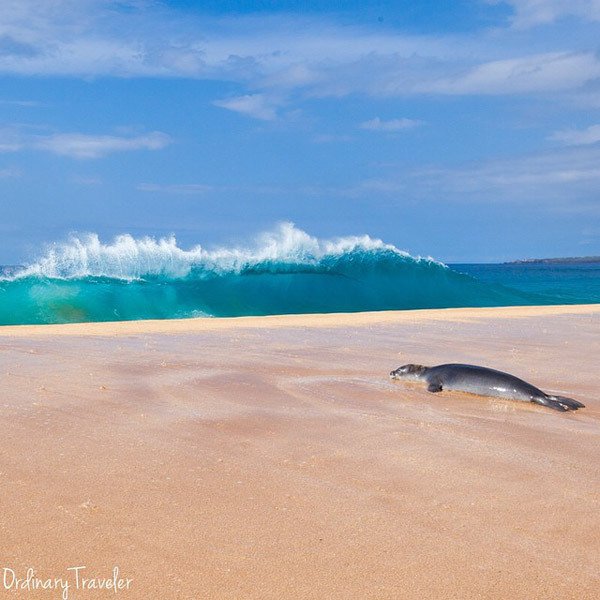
(132, 258)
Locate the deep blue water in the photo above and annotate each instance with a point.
(285, 271)
(557, 283)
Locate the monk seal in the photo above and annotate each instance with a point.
(482, 381)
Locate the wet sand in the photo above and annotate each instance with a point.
(271, 458)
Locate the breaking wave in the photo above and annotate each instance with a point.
(286, 271)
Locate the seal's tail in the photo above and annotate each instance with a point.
(560, 403)
(572, 404)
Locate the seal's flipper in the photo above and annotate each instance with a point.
(572, 404)
(551, 403)
(434, 386)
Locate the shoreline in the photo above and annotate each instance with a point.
(271, 458)
(311, 320)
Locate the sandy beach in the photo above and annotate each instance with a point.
(272, 458)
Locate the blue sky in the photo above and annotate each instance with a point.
(467, 130)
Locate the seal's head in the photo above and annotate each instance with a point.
(409, 372)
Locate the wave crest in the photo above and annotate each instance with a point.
(285, 271)
(128, 258)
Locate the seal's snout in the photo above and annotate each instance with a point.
(398, 373)
(409, 372)
(395, 374)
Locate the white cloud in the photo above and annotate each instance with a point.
(392, 125)
(281, 60)
(176, 188)
(529, 13)
(21, 103)
(10, 146)
(566, 180)
(80, 145)
(553, 71)
(540, 171)
(91, 37)
(257, 106)
(577, 137)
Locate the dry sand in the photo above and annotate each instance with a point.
(271, 458)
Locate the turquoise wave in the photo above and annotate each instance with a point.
(284, 272)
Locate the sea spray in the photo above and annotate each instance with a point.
(129, 258)
(286, 271)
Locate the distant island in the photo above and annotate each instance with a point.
(571, 260)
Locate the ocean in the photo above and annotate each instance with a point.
(286, 271)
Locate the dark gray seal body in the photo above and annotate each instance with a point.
(482, 381)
